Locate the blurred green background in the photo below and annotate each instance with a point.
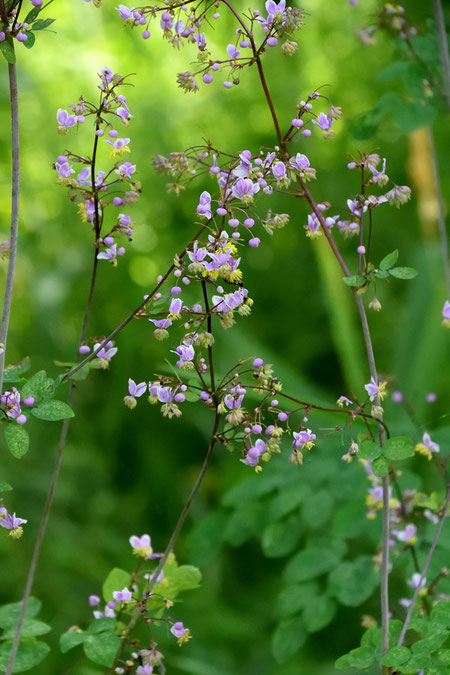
(128, 472)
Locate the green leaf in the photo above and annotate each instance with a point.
(314, 560)
(281, 538)
(364, 126)
(361, 657)
(288, 638)
(31, 40)
(389, 260)
(293, 598)
(431, 643)
(42, 24)
(71, 639)
(5, 487)
(9, 614)
(444, 656)
(206, 537)
(30, 653)
(17, 439)
(116, 580)
(440, 614)
(413, 115)
(319, 613)
(102, 648)
(369, 450)
(316, 511)
(31, 16)
(403, 272)
(53, 411)
(30, 628)
(353, 582)
(381, 274)
(350, 521)
(35, 385)
(393, 71)
(398, 447)
(178, 579)
(354, 281)
(102, 624)
(13, 372)
(396, 656)
(8, 52)
(380, 466)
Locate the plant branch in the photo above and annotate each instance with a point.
(441, 210)
(14, 215)
(425, 567)
(443, 48)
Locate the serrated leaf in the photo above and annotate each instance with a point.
(361, 658)
(17, 439)
(53, 411)
(116, 580)
(71, 639)
(396, 656)
(398, 447)
(8, 52)
(380, 466)
(319, 613)
(354, 281)
(30, 653)
(12, 373)
(389, 260)
(9, 614)
(30, 628)
(353, 582)
(5, 487)
(287, 639)
(102, 648)
(31, 40)
(403, 272)
(369, 450)
(42, 24)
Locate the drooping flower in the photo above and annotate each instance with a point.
(65, 120)
(204, 205)
(376, 390)
(141, 546)
(124, 595)
(254, 453)
(343, 400)
(323, 122)
(12, 523)
(180, 632)
(427, 447)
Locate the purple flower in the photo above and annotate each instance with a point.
(161, 323)
(323, 122)
(204, 206)
(397, 396)
(124, 12)
(279, 170)
(299, 162)
(83, 177)
(94, 600)
(244, 189)
(245, 165)
(178, 629)
(446, 314)
(254, 453)
(407, 535)
(126, 170)
(123, 112)
(106, 352)
(232, 52)
(11, 522)
(166, 21)
(122, 596)
(64, 119)
(275, 11)
(343, 400)
(375, 390)
(185, 352)
(145, 670)
(110, 254)
(136, 389)
(200, 40)
(426, 439)
(417, 581)
(63, 167)
(141, 546)
(303, 439)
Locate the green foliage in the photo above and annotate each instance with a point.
(7, 49)
(353, 582)
(116, 580)
(399, 447)
(288, 638)
(12, 373)
(17, 439)
(31, 651)
(71, 639)
(389, 260)
(29, 655)
(42, 24)
(177, 579)
(4, 486)
(102, 647)
(53, 411)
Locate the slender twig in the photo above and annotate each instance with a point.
(56, 469)
(441, 210)
(169, 548)
(425, 567)
(14, 215)
(443, 48)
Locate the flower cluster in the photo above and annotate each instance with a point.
(11, 404)
(94, 190)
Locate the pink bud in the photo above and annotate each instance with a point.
(146, 34)
(29, 401)
(108, 241)
(248, 222)
(282, 416)
(21, 419)
(84, 349)
(297, 123)
(255, 242)
(175, 290)
(227, 84)
(117, 201)
(207, 78)
(272, 42)
(257, 363)
(306, 133)
(121, 250)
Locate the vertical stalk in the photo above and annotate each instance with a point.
(14, 215)
(441, 210)
(443, 48)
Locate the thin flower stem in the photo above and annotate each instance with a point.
(426, 566)
(209, 324)
(373, 372)
(441, 211)
(56, 469)
(443, 48)
(14, 215)
(169, 548)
